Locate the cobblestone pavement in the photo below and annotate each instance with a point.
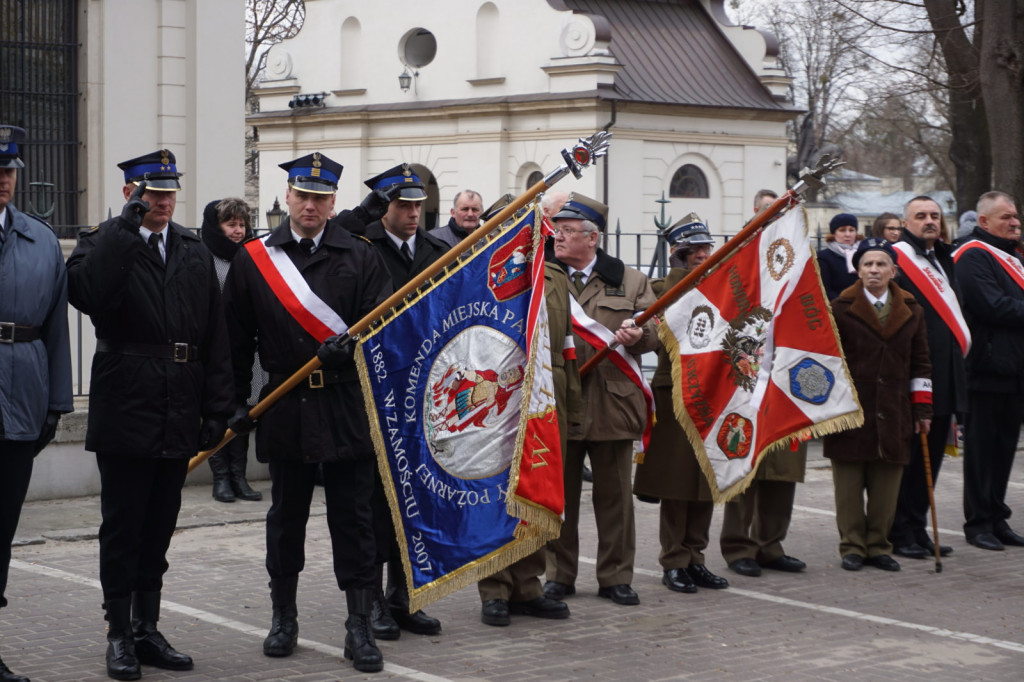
(825, 624)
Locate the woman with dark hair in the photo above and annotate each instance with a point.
(888, 227)
(226, 224)
(835, 261)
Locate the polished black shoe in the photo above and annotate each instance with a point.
(417, 623)
(1008, 537)
(7, 675)
(588, 475)
(558, 591)
(152, 648)
(495, 612)
(785, 563)
(678, 580)
(623, 595)
(929, 546)
(911, 551)
(702, 577)
(122, 663)
(747, 567)
(986, 541)
(853, 562)
(381, 620)
(883, 561)
(541, 607)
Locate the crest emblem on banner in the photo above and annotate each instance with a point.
(510, 266)
(811, 381)
(744, 346)
(702, 322)
(734, 436)
(779, 258)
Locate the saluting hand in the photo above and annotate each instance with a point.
(135, 209)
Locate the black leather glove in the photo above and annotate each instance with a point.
(240, 422)
(336, 352)
(373, 207)
(47, 432)
(211, 432)
(134, 210)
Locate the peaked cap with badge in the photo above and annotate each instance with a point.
(156, 168)
(411, 187)
(690, 231)
(581, 207)
(314, 173)
(10, 138)
(493, 210)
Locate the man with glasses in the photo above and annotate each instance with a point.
(608, 295)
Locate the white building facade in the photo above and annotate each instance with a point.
(497, 88)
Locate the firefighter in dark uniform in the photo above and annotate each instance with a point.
(161, 391)
(406, 250)
(322, 421)
(35, 352)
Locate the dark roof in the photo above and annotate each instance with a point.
(672, 52)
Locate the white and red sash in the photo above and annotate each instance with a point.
(292, 290)
(937, 289)
(1012, 265)
(596, 335)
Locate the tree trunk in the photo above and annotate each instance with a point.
(1001, 72)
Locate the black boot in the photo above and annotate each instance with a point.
(238, 458)
(284, 628)
(381, 620)
(221, 478)
(6, 675)
(150, 645)
(397, 600)
(121, 661)
(360, 647)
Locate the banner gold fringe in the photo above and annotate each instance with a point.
(843, 422)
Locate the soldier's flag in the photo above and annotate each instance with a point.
(460, 396)
(756, 361)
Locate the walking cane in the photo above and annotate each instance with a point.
(584, 153)
(931, 499)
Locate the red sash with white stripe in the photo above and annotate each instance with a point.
(292, 290)
(936, 288)
(1012, 265)
(596, 335)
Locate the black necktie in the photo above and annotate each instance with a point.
(306, 246)
(406, 252)
(154, 243)
(930, 255)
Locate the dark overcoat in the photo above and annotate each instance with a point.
(949, 382)
(834, 274)
(308, 424)
(882, 362)
(147, 406)
(428, 250)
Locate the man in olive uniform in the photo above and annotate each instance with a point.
(517, 589)
(615, 410)
(669, 470)
(756, 522)
(161, 391)
(35, 352)
(406, 250)
(339, 278)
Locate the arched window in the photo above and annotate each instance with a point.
(533, 178)
(689, 182)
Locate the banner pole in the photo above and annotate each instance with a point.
(791, 198)
(584, 153)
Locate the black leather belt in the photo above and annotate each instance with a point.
(10, 332)
(318, 379)
(179, 352)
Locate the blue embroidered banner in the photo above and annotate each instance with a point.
(445, 379)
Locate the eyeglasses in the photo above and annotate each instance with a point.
(568, 231)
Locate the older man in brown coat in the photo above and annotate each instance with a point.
(885, 340)
(615, 411)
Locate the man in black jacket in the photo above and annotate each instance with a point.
(990, 276)
(161, 391)
(291, 294)
(926, 271)
(467, 207)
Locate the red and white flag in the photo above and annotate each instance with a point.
(756, 359)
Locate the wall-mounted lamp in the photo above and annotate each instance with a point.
(405, 80)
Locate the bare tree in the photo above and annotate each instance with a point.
(268, 22)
